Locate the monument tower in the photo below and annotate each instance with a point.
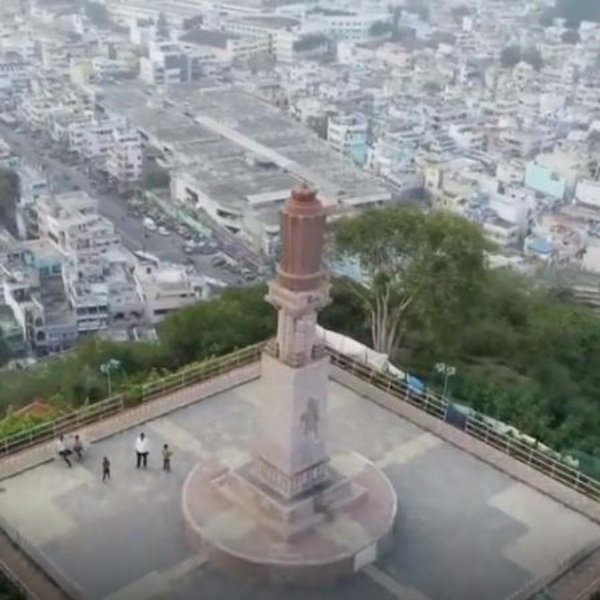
(300, 509)
(291, 451)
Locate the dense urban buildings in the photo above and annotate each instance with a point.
(147, 149)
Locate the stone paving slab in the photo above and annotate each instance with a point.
(465, 530)
(500, 460)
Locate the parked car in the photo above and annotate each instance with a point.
(163, 231)
(149, 224)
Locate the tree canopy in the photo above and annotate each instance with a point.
(162, 26)
(380, 28)
(9, 194)
(193, 22)
(156, 177)
(97, 13)
(512, 55)
(423, 267)
(5, 352)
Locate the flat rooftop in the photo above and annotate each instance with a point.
(465, 531)
(274, 22)
(237, 115)
(208, 37)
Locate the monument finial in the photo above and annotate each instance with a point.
(304, 193)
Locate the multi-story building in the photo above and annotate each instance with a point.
(33, 289)
(125, 158)
(225, 47)
(166, 288)
(345, 25)
(167, 63)
(8, 159)
(14, 75)
(347, 134)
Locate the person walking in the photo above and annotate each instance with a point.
(105, 469)
(166, 453)
(142, 450)
(63, 450)
(78, 448)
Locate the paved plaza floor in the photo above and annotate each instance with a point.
(464, 530)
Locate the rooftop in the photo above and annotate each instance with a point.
(274, 22)
(483, 534)
(207, 37)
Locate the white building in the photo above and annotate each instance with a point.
(347, 134)
(225, 47)
(342, 24)
(125, 157)
(165, 288)
(13, 74)
(167, 64)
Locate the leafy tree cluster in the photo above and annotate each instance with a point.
(193, 23)
(512, 55)
(236, 319)
(5, 352)
(523, 354)
(380, 28)
(458, 12)
(9, 194)
(162, 27)
(8, 591)
(311, 41)
(97, 13)
(156, 177)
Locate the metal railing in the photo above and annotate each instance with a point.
(63, 424)
(86, 415)
(20, 586)
(433, 405)
(475, 426)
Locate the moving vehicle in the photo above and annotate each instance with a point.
(163, 231)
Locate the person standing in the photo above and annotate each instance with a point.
(63, 450)
(142, 450)
(78, 447)
(166, 453)
(105, 469)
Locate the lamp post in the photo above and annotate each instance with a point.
(106, 369)
(447, 371)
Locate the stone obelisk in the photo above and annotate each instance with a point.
(291, 448)
(293, 509)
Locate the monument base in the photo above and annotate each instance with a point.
(250, 533)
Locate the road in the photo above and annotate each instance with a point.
(135, 237)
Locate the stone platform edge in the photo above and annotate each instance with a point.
(480, 450)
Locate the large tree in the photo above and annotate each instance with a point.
(162, 26)
(415, 266)
(97, 13)
(9, 194)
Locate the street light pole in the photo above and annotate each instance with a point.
(106, 369)
(447, 371)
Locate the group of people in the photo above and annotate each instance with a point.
(142, 450)
(66, 449)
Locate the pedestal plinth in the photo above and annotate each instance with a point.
(250, 533)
